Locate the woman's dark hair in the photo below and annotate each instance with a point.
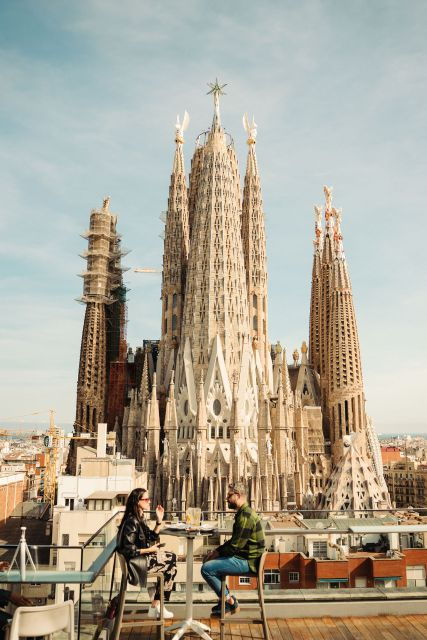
(132, 508)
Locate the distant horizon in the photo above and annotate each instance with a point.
(391, 429)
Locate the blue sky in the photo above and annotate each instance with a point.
(89, 95)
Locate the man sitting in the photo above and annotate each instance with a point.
(239, 555)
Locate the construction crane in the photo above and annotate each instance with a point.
(146, 270)
(50, 474)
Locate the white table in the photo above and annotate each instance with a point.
(189, 624)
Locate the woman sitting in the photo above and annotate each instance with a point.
(137, 540)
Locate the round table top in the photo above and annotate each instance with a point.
(188, 531)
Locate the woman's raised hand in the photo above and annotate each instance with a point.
(160, 512)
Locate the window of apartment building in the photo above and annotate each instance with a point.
(361, 582)
(98, 541)
(98, 505)
(331, 584)
(386, 583)
(244, 580)
(272, 578)
(69, 566)
(320, 549)
(293, 576)
(416, 575)
(65, 539)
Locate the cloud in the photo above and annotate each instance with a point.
(88, 109)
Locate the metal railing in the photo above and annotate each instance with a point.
(96, 573)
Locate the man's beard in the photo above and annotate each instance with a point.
(231, 505)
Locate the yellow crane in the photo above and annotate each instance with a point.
(50, 474)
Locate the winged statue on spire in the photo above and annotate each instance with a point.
(181, 127)
(318, 210)
(328, 197)
(337, 213)
(250, 128)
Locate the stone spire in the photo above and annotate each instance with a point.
(316, 297)
(201, 439)
(282, 445)
(171, 439)
(99, 285)
(153, 428)
(235, 447)
(265, 459)
(346, 399)
(254, 249)
(328, 256)
(175, 256)
(216, 300)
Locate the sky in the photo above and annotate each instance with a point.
(90, 90)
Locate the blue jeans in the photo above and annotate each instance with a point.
(213, 570)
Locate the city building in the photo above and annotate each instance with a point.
(12, 487)
(407, 483)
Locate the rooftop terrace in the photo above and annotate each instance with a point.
(326, 628)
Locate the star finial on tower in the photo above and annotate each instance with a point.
(216, 90)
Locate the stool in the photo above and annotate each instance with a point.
(263, 619)
(118, 622)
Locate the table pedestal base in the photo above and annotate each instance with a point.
(189, 625)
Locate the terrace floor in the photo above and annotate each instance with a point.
(327, 628)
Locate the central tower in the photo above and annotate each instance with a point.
(216, 344)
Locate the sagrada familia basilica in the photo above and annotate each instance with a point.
(213, 401)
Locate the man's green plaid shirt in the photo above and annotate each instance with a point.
(247, 540)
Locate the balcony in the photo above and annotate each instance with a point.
(88, 574)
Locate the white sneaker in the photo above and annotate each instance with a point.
(154, 612)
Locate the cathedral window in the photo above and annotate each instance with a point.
(255, 300)
(255, 323)
(174, 300)
(174, 322)
(216, 407)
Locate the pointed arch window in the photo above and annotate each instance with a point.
(174, 322)
(255, 323)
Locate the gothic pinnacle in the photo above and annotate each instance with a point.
(318, 232)
(251, 130)
(339, 249)
(178, 161)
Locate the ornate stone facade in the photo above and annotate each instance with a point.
(224, 405)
